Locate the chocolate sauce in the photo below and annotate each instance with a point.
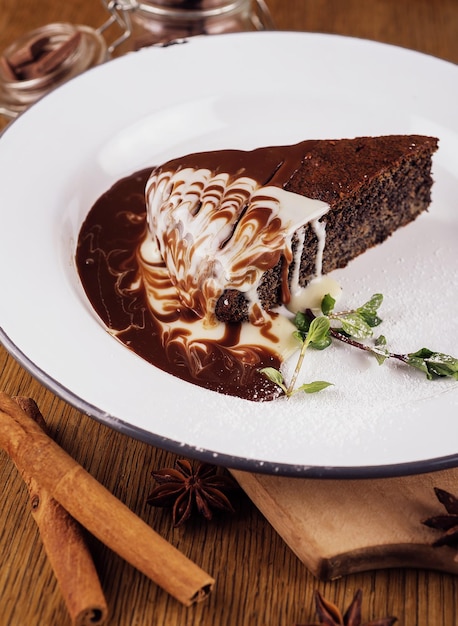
(123, 269)
(108, 265)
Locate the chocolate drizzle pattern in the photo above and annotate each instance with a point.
(120, 284)
(217, 232)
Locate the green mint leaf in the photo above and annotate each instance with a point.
(327, 304)
(372, 305)
(434, 364)
(419, 364)
(318, 330)
(322, 344)
(275, 376)
(380, 351)
(368, 311)
(355, 326)
(371, 320)
(302, 323)
(299, 336)
(317, 385)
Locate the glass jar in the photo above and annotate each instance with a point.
(155, 22)
(44, 59)
(47, 57)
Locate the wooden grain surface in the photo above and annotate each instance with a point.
(260, 582)
(340, 527)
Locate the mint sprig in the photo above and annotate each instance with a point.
(317, 333)
(359, 322)
(355, 328)
(433, 364)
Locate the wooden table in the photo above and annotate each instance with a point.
(259, 580)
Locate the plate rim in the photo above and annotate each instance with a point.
(226, 460)
(235, 462)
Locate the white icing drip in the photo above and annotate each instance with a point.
(215, 233)
(294, 279)
(319, 228)
(310, 296)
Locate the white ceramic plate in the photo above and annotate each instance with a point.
(239, 91)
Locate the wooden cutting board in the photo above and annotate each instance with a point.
(339, 527)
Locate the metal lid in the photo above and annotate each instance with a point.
(188, 9)
(199, 5)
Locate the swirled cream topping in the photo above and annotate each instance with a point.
(216, 232)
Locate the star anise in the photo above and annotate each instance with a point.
(330, 615)
(445, 522)
(187, 489)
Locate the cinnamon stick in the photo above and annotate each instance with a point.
(65, 545)
(97, 509)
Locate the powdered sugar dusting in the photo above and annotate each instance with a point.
(372, 411)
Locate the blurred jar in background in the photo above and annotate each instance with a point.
(43, 59)
(162, 21)
(47, 57)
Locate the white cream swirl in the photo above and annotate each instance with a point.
(215, 232)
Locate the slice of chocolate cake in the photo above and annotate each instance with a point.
(241, 231)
